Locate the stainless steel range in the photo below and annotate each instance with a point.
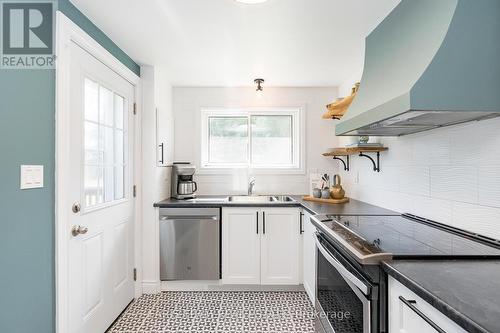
(351, 288)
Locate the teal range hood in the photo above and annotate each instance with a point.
(429, 64)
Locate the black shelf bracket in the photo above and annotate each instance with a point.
(345, 163)
(376, 165)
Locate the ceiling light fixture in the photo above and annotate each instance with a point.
(259, 83)
(251, 2)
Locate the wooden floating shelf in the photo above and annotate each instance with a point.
(354, 151)
(338, 108)
(340, 153)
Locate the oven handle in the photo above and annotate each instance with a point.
(340, 268)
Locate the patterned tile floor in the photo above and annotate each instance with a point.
(218, 312)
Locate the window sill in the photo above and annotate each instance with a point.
(253, 171)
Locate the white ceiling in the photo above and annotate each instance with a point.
(225, 43)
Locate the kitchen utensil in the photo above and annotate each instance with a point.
(325, 193)
(336, 191)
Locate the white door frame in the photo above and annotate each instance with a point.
(68, 32)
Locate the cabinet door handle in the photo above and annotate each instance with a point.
(411, 305)
(162, 159)
(264, 223)
(301, 225)
(257, 214)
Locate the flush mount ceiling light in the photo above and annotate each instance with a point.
(259, 83)
(251, 2)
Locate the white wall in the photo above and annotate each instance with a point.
(188, 101)
(345, 89)
(156, 93)
(451, 175)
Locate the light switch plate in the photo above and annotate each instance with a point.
(31, 176)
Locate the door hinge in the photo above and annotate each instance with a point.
(135, 274)
(135, 108)
(134, 191)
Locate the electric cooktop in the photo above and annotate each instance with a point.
(371, 239)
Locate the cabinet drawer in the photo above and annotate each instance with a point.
(408, 313)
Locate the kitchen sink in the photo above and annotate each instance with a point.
(283, 198)
(251, 198)
(209, 200)
(260, 198)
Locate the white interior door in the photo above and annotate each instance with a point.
(100, 229)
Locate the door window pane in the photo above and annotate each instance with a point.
(104, 145)
(119, 107)
(119, 157)
(91, 100)
(272, 140)
(107, 145)
(109, 180)
(91, 136)
(106, 106)
(93, 185)
(228, 140)
(119, 181)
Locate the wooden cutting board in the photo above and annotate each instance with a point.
(329, 201)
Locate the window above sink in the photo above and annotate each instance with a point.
(263, 139)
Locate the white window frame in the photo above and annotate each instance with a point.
(298, 139)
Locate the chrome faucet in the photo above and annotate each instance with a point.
(250, 186)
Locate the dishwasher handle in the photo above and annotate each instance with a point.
(189, 217)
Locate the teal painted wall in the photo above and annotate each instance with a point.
(27, 136)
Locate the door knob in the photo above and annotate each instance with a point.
(79, 230)
(76, 207)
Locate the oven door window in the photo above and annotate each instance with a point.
(344, 307)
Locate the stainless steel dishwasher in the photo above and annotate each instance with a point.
(189, 244)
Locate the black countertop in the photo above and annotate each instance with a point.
(353, 207)
(466, 291)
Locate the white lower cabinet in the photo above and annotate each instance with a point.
(279, 246)
(404, 306)
(309, 256)
(240, 246)
(260, 246)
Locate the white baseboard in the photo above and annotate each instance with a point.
(216, 285)
(310, 294)
(151, 287)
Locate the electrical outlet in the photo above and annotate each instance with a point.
(356, 178)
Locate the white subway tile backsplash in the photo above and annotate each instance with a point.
(457, 183)
(465, 144)
(415, 180)
(489, 186)
(433, 209)
(387, 179)
(480, 219)
(489, 143)
(399, 151)
(397, 201)
(432, 148)
(451, 175)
